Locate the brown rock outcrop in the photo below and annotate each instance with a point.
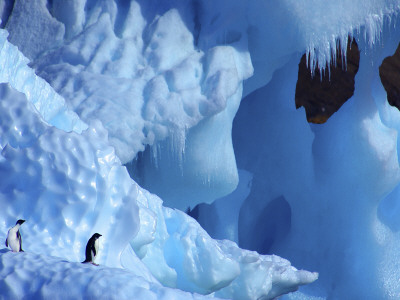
(322, 98)
(389, 72)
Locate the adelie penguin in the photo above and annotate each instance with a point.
(92, 248)
(14, 240)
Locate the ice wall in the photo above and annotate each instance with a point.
(323, 195)
(141, 60)
(174, 72)
(273, 30)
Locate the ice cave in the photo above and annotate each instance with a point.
(225, 149)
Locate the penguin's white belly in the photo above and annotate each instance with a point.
(96, 247)
(13, 241)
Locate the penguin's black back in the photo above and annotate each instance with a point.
(89, 247)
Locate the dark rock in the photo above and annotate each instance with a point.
(323, 95)
(389, 72)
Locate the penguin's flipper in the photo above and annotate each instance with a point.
(20, 241)
(6, 242)
(94, 250)
(87, 255)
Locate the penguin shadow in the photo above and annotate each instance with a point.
(90, 264)
(4, 250)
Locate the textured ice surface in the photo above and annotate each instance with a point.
(47, 33)
(180, 253)
(68, 185)
(167, 77)
(39, 276)
(16, 72)
(173, 72)
(143, 64)
(273, 30)
(148, 71)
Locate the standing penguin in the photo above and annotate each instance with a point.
(14, 237)
(92, 248)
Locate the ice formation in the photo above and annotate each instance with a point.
(142, 63)
(155, 85)
(16, 72)
(37, 276)
(69, 185)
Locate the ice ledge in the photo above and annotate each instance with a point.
(34, 276)
(180, 254)
(15, 71)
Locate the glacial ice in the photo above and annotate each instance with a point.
(39, 276)
(69, 185)
(16, 72)
(325, 195)
(322, 196)
(159, 84)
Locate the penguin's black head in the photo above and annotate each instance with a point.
(20, 222)
(96, 235)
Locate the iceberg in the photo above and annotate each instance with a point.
(170, 127)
